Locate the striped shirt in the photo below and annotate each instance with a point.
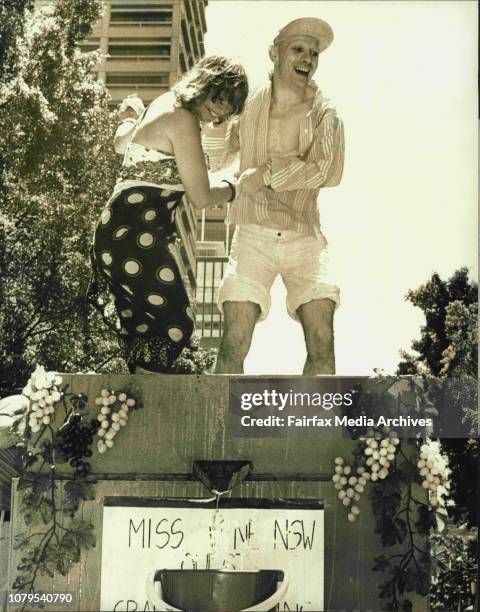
(293, 181)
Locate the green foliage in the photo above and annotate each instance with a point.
(194, 359)
(456, 568)
(404, 514)
(401, 520)
(448, 348)
(464, 461)
(58, 170)
(54, 537)
(448, 341)
(12, 16)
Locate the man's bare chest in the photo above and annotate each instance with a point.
(284, 130)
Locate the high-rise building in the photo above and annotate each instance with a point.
(148, 44)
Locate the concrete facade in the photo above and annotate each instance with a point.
(149, 44)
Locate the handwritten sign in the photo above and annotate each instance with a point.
(141, 536)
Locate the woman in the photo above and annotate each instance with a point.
(134, 245)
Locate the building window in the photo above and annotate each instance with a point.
(139, 80)
(214, 230)
(186, 222)
(186, 40)
(139, 50)
(197, 19)
(188, 9)
(91, 44)
(140, 13)
(183, 64)
(191, 278)
(194, 40)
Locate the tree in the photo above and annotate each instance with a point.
(447, 348)
(58, 170)
(447, 345)
(457, 570)
(12, 18)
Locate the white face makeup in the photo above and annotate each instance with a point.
(296, 59)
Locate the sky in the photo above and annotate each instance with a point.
(402, 76)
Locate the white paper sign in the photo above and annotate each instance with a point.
(138, 540)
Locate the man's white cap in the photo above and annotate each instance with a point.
(307, 26)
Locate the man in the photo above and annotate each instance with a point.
(291, 145)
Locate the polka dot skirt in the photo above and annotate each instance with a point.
(131, 253)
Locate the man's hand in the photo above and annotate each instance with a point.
(251, 180)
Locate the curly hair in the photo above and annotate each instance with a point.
(214, 75)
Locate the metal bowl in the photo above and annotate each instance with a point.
(217, 590)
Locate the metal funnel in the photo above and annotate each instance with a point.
(221, 476)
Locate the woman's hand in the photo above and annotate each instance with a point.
(250, 181)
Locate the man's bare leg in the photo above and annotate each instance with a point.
(317, 322)
(238, 325)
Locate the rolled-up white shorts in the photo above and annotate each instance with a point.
(259, 254)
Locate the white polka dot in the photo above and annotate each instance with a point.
(149, 215)
(107, 258)
(166, 193)
(120, 232)
(189, 312)
(135, 198)
(142, 328)
(106, 216)
(156, 299)
(167, 275)
(175, 334)
(126, 313)
(131, 267)
(146, 240)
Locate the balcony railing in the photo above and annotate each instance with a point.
(209, 275)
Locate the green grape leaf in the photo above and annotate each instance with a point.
(381, 564)
(400, 530)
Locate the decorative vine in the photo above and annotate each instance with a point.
(398, 470)
(56, 430)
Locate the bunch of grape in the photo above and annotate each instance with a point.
(43, 391)
(349, 486)
(112, 416)
(379, 455)
(73, 441)
(434, 471)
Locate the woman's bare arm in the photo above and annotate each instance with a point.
(190, 158)
(178, 132)
(123, 135)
